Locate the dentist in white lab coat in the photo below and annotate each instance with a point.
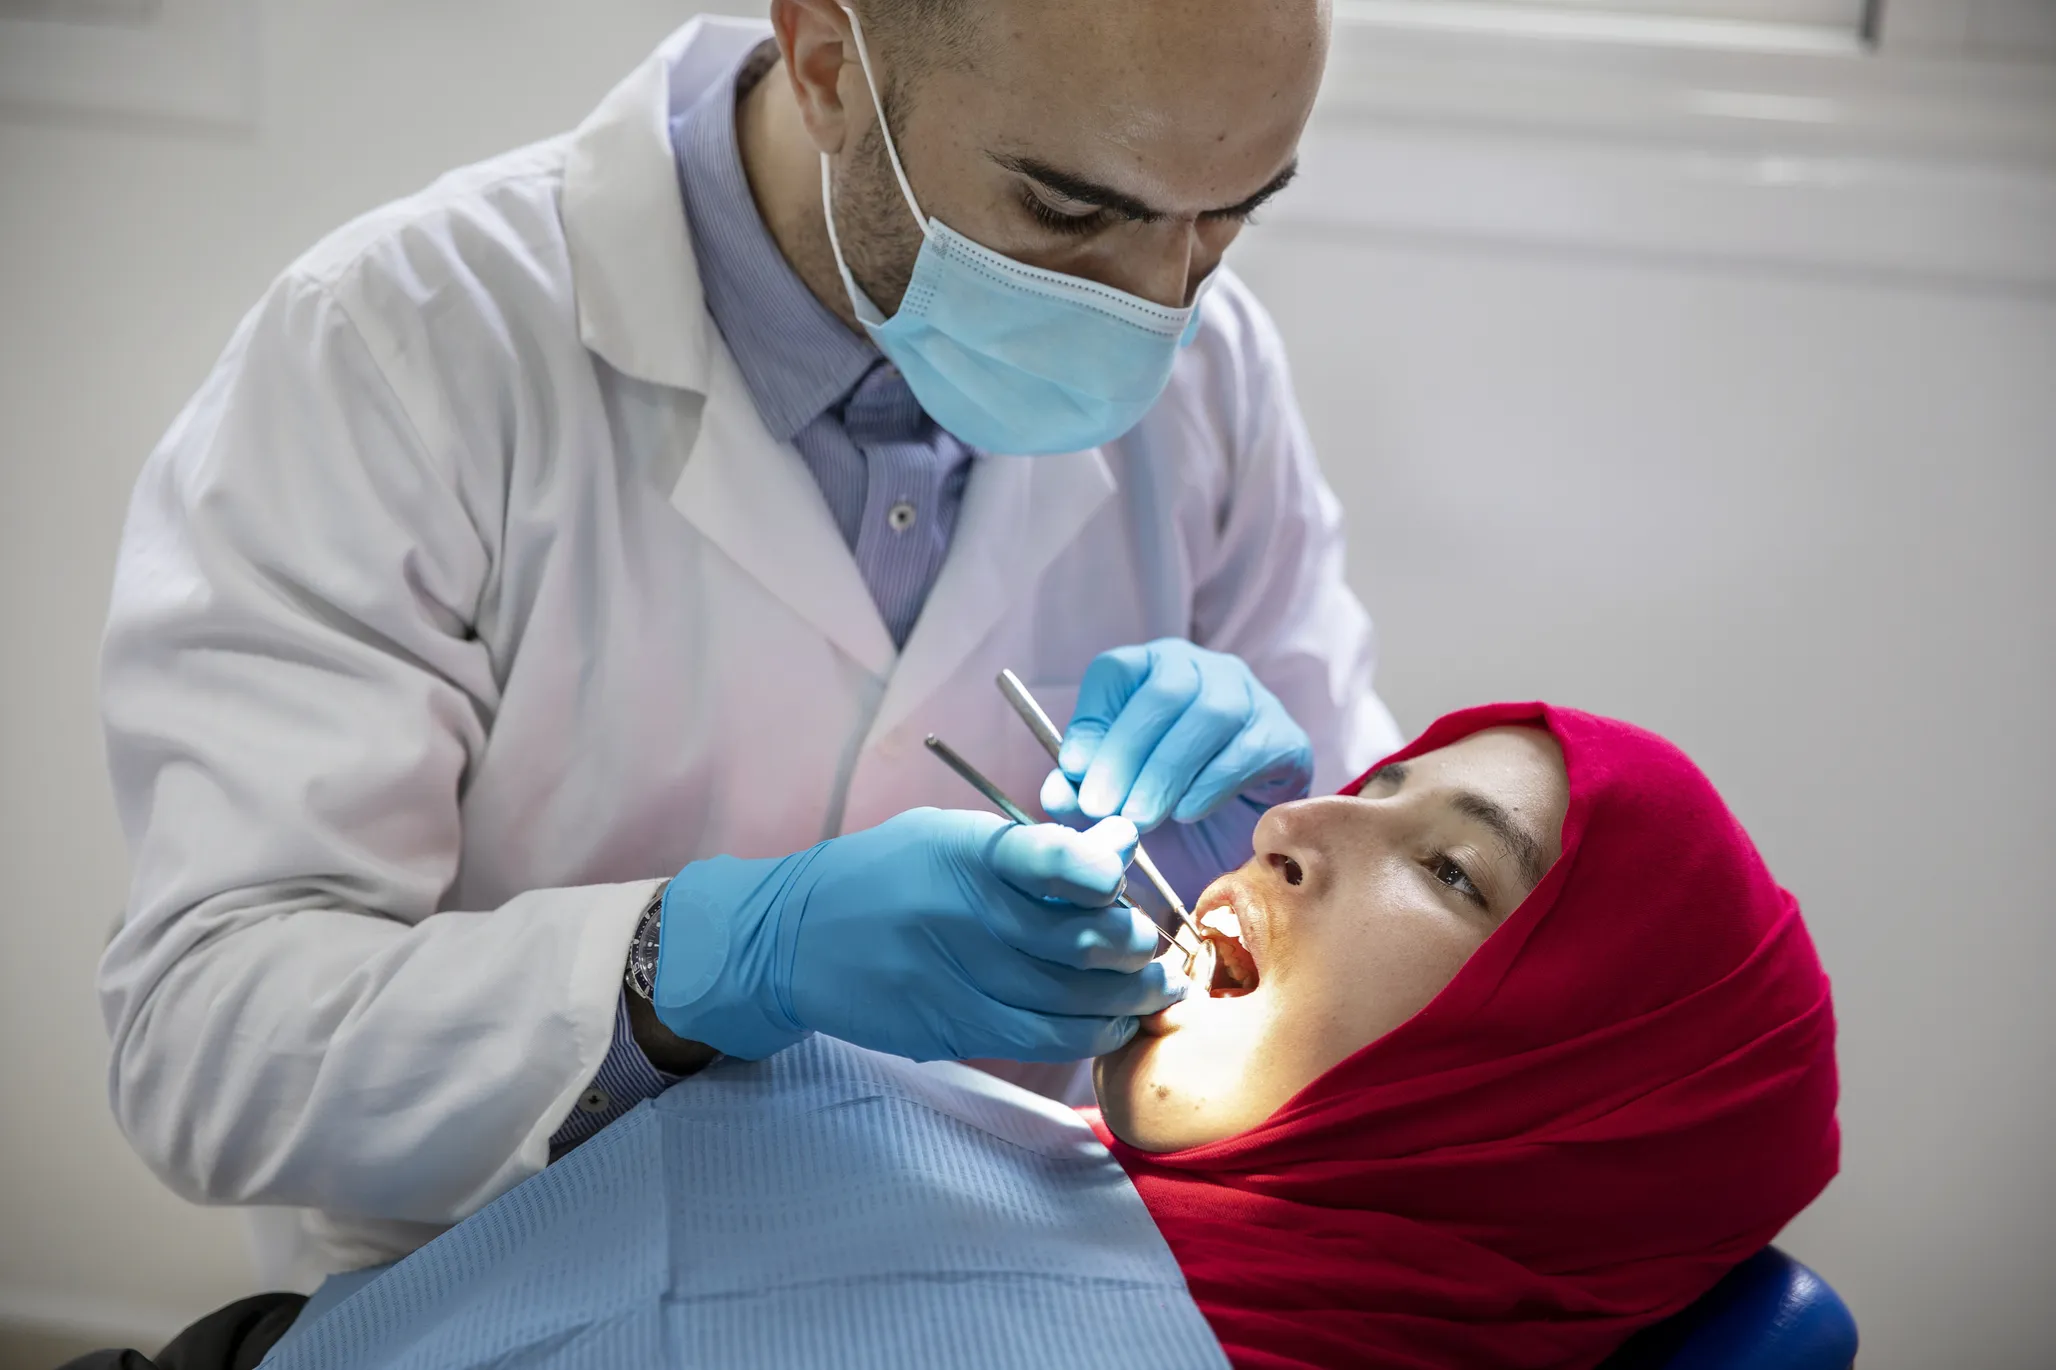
(546, 533)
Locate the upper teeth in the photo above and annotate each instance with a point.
(1223, 921)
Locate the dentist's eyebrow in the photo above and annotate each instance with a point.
(1084, 191)
(1520, 844)
(1256, 201)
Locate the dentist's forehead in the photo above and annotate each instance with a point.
(1187, 104)
(1137, 39)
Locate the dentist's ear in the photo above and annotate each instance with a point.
(813, 37)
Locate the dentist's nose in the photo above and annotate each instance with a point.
(1161, 270)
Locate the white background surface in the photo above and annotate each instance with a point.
(1777, 489)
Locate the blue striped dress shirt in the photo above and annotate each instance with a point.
(892, 478)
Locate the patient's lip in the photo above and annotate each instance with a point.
(1219, 895)
(1230, 902)
(1256, 930)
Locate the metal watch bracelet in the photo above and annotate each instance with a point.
(642, 952)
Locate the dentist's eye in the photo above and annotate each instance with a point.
(1056, 220)
(1446, 870)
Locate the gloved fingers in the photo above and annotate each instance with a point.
(939, 933)
(1221, 712)
(1059, 798)
(1270, 762)
(1115, 938)
(1043, 987)
(1018, 1035)
(1149, 716)
(1075, 1039)
(1049, 861)
(1109, 681)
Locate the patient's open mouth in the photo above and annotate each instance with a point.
(1231, 924)
(1234, 969)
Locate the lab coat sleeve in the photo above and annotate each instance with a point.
(1273, 591)
(292, 693)
(624, 1079)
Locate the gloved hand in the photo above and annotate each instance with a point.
(1170, 730)
(938, 934)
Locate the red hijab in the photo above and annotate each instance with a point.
(1626, 1091)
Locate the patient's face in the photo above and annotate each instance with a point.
(1353, 914)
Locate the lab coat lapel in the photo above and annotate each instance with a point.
(642, 308)
(634, 278)
(1019, 515)
(753, 497)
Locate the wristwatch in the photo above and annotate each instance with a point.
(642, 953)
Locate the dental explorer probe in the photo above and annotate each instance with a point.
(1052, 741)
(997, 797)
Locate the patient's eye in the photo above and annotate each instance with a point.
(1444, 868)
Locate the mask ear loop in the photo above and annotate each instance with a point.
(860, 303)
(900, 172)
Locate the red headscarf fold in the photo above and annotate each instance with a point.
(1627, 1090)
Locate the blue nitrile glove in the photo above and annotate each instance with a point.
(937, 935)
(1170, 730)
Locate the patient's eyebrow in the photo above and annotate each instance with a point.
(1519, 842)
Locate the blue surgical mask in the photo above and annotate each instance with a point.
(1008, 357)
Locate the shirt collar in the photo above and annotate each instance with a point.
(795, 356)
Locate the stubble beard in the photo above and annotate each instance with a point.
(880, 239)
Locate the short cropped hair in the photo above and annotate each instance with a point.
(921, 34)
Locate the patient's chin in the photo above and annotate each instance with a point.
(1182, 1080)
(1114, 1080)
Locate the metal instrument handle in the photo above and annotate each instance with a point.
(1038, 721)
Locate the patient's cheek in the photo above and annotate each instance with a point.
(1382, 967)
(1214, 1066)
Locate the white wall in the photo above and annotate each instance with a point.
(1787, 508)
(127, 254)
(1801, 528)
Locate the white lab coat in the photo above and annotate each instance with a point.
(470, 596)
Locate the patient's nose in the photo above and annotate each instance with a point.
(1291, 841)
(1286, 866)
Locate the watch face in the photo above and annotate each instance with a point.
(642, 958)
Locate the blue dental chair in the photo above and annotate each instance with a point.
(1768, 1313)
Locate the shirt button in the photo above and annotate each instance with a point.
(901, 516)
(595, 1101)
